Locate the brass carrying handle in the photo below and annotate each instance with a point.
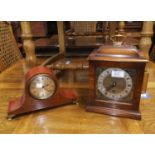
(118, 39)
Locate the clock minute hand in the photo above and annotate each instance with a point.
(45, 87)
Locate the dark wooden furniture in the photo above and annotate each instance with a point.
(131, 64)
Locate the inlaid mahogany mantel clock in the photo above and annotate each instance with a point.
(116, 77)
(42, 91)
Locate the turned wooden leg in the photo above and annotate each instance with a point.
(144, 45)
(28, 44)
(145, 81)
(112, 29)
(121, 26)
(61, 37)
(145, 41)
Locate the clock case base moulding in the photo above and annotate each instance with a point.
(115, 112)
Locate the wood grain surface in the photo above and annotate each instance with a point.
(71, 118)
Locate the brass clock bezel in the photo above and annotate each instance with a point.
(49, 76)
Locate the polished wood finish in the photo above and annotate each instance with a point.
(27, 103)
(123, 53)
(61, 36)
(124, 57)
(145, 82)
(71, 118)
(145, 45)
(112, 28)
(63, 65)
(146, 34)
(28, 44)
(121, 26)
(39, 29)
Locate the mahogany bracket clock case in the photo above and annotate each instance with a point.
(41, 91)
(116, 77)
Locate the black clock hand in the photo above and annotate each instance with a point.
(45, 85)
(47, 89)
(111, 86)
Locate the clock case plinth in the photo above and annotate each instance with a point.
(27, 104)
(124, 57)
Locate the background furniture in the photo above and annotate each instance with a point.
(85, 28)
(9, 51)
(28, 44)
(81, 37)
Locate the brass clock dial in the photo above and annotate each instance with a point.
(114, 83)
(42, 86)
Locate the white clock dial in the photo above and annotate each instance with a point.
(114, 83)
(42, 86)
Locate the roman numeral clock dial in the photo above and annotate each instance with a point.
(114, 83)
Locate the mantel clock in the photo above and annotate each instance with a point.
(116, 77)
(42, 91)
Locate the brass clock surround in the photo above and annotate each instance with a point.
(39, 90)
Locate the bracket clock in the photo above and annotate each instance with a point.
(116, 77)
(41, 91)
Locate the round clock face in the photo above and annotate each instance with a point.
(42, 86)
(114, 83)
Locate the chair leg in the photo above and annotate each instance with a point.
(28, 44)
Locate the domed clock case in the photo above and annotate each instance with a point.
(116, 77)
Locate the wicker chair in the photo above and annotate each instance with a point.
(9, 51)
(83, 27)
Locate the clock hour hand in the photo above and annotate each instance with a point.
(44, 86)
(111, 86)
